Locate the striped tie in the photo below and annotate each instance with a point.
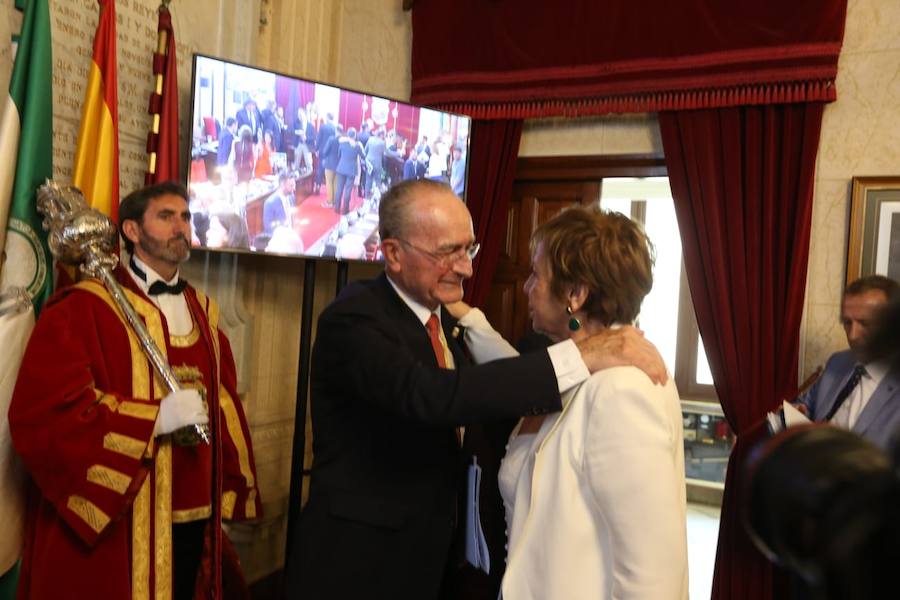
(845, 392)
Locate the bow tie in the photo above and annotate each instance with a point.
(159, 286)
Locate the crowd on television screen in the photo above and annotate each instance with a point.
(266, 159)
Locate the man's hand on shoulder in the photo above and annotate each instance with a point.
(625, 346)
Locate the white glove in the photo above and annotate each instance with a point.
(180, 409)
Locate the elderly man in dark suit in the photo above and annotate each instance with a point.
(391, 386)
(857, 391)
(251, 117)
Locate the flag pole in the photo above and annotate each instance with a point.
(162, 45)
(156, 138)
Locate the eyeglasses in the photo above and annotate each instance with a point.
(449, 257)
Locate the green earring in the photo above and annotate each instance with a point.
(574, 323)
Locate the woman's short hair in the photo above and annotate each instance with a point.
(606, 252)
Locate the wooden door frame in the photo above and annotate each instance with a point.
(587, 168)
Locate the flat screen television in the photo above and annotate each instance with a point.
(287, 166)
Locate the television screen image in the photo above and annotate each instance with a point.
(288, 166)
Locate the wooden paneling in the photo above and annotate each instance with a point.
(532, 204)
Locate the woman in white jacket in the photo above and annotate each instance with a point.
(594, 494)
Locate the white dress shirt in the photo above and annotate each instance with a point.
(173, 306)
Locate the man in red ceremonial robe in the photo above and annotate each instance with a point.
(116, 508)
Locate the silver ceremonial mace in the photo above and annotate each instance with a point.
(83, 236)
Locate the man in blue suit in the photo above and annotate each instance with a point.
(278, 209)
(856, 391)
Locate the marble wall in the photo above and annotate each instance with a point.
(619, 134)
(860, 136)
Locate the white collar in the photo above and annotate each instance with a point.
(876, 370)
(152, 276)
(422, 312)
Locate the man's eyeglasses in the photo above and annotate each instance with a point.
(449, 257)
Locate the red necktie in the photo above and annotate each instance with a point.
(433, 326)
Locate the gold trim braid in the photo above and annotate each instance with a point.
(163, 521)
(191, 514)
(229, 499)
(141, 543)
(137, 410)
(123, 444)
(233, 424)
(185, 341)
(89, 512)
(109, 478)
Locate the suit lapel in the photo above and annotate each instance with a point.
(409, 328)
(887, 391)
(453, 335)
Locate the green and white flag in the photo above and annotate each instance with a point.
(26, 153)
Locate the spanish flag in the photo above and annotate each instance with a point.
(96, 170)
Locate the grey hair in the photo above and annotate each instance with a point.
(394, 214)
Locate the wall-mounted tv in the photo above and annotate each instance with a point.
(287, 166)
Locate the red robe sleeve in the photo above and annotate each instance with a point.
(83, 438)
(240, 491)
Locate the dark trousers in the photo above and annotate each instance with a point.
(343, 191)
(187, 549)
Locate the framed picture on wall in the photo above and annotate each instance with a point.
(874, 246)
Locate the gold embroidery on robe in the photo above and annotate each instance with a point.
(250, 508)
(140, 543)
(233, 423)
(229, 499)
(191, 514)
(137, 410)
(108, 478)
(89, 512)
(185, 341)
(123, 444)
(163, 525)
(108, 400)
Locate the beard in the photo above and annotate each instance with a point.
(175, 250)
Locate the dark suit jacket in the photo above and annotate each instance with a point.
(326, 132)
(270, 123)
(329, 154)
(879, 420)
(243, 118)
(349, 155)
(382, 503)
(226, 141)
(273, 213)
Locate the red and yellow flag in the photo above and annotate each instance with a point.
(96, 170)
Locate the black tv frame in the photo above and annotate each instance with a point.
(194, 122)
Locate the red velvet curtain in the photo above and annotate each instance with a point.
(742, 179)
(492, 166)
(517, 59)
